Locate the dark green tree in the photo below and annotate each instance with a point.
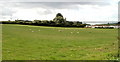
(59, 19)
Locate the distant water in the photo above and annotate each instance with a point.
(95, 23)
(102, 22)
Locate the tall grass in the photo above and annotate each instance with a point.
(23, 42)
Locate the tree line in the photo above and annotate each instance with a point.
(58, 21)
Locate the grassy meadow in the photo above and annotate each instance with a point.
(25, 42)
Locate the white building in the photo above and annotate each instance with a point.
(102, 26)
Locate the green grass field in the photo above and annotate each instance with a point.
(25, 42)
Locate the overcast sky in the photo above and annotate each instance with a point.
(72, 10)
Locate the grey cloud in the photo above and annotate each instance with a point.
(55, 5)
(7, 12)
(6, 9)
(70, 4)
(54, 0)
(46, 12)
(61, 4)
